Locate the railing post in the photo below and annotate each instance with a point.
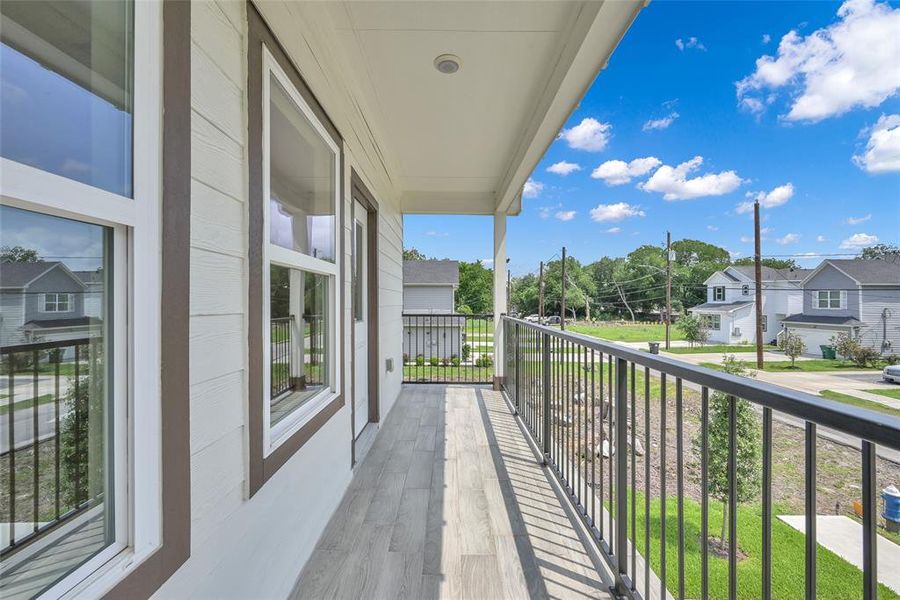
(516, 366)
(621, 452)
(545, 364)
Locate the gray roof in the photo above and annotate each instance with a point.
(20, 274)
(71, 322)
(90, 276)
(722, 306)
(770, 274)
(873, 271)
(821, 320)
(435, 272)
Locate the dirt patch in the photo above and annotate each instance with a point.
(719, 549)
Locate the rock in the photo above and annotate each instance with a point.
(638, 447)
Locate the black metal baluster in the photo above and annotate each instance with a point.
(647, 448)
(35, 442)
(57, 436)
(732, 498)
(593, 443)
(11, 421)
(633, 481)
(810, 571)
(767, 504)
(662, 485)
(611, 406)
(870, 537)
(679, 477)
(77, 418)
(604, 405)
(704, 493)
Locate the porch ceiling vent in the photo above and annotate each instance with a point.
(447, 64)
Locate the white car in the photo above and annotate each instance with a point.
(891, 373)
(532, 318)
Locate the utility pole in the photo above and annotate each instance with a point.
(757, 260)
(541, 295)
(562, 302)
(668, 288)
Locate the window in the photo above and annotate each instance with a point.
(745, 290)
(828, 299)
(57, 302)
(301, 183)
(765, 322)
(713, 322)
(359, 251)
(719, 293)
(79, 223)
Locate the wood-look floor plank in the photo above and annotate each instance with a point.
(409, 528)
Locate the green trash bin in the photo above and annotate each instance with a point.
(828, 352)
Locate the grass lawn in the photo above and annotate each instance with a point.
(449, 374)
(22, 404)
(713, 348)
(816, 364)
(860, 402)
(640, 332)
(895, 393)
(837, 579)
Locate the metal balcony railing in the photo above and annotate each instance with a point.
(448, 348)
(578, 398)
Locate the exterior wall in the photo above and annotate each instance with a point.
(12, 317)
(880, 314)
(56, 280)
(433, 341)
(733, 291)
(815, 336)
(256, 547)
(428, 298)
(830, 278)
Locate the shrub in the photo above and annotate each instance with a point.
(464, 309)
(865, 356)
(694, 329)
(466, 351)
(792, 345)
(484, 360)
(845, 346)
(454, 360)
(434, 361)
(405, 358)
(420, 360)
(76, 464)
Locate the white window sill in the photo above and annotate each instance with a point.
(300, 417)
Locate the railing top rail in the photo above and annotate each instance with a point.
(48, 345)
(875, 427)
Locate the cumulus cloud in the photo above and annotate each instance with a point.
(532, 188)
(674, 184)
(563, 168)
(746, 239)
(766, 38)
(615, 212)
(662, 123)
(850, 63)
(859, 240)
(882, 153)
(565, 215)
(776, 197)
(590, 135)
(790, 238)
(614, 230)
(691, 42)
(618, 172)
(821, 238)
(858, 220)
(712, 228)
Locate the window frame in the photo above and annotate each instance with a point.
(745, 289)
(716, 290)
(829, 297)
(273, 254)
(708, 321)
(765, 323)
(45, 301)
(134, 335)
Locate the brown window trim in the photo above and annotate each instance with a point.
(148, 576)
(263, 467)
(359, 191)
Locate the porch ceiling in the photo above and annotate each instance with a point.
(466, 142)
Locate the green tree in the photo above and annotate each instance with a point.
(525, 295)
(693, 328)
(888, 252)
(476, 287)
(748, 453)
(18, 254)
(792, 345)
(413, 254)
(81, 448)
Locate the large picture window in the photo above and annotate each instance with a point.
(301, 183)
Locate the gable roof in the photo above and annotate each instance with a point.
(435, 272)
(722, 307)
(768, 273)
(19, 275)
(865, 272)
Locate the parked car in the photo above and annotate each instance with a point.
(891, 373)
(552, 320)
(533, 318)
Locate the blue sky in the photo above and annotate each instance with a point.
(813, 131)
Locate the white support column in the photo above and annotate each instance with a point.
(499, 292)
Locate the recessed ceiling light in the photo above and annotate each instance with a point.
(447, 64)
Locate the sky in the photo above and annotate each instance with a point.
(704, 108)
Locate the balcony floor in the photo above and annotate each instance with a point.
(450, 502)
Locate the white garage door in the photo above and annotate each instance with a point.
(813, 338)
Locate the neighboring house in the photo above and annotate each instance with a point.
(429, 288)
(44, 301)
(858, 297)
(730, 308)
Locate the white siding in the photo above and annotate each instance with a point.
(256, 547)
(428, 298)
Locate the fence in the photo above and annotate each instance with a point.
(45, 446)
(448, 348)
(578, 398)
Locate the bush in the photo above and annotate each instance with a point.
(693, 329)
(445, 361)
(792, 345)
(865, 356)
(405, 358)
(484, 360)
(434, 361)
(464, 309)
(76, 465)
(420, 360)
(845, 346)
(466, 351)
(454, 360)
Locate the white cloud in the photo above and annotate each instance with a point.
(882, 153)
(674, 184)
(532, 188)
(618, 172)
(778, 196)
(859, 240)
(662, 123)
(766, 230)
(437, 234)
(790, 238)
(766, 38)
(590, 135)
(735, 254)
(563, 168)
(850, 63)
(746, 239)
(615, 212)
(691, 42)
(821, 238)
(858, 220)
(712, 228)
(614, 230)
(565, 215)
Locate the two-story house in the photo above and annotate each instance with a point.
(857, 297)
(729, 311)
(429, 330)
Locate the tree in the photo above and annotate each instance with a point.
(18, 254)
(772, 263)
(413, 254)
(476, 287)
(792, 345)
(80, 446)
(888, 252)
(845, 345)
(693, 328)
(747, 457)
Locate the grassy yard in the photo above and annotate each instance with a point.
(837, 579)
(713, 348)
(640, 332)
(860, 402)
(816, 364)
(28, 403)
(895, 393)
(448, 374)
